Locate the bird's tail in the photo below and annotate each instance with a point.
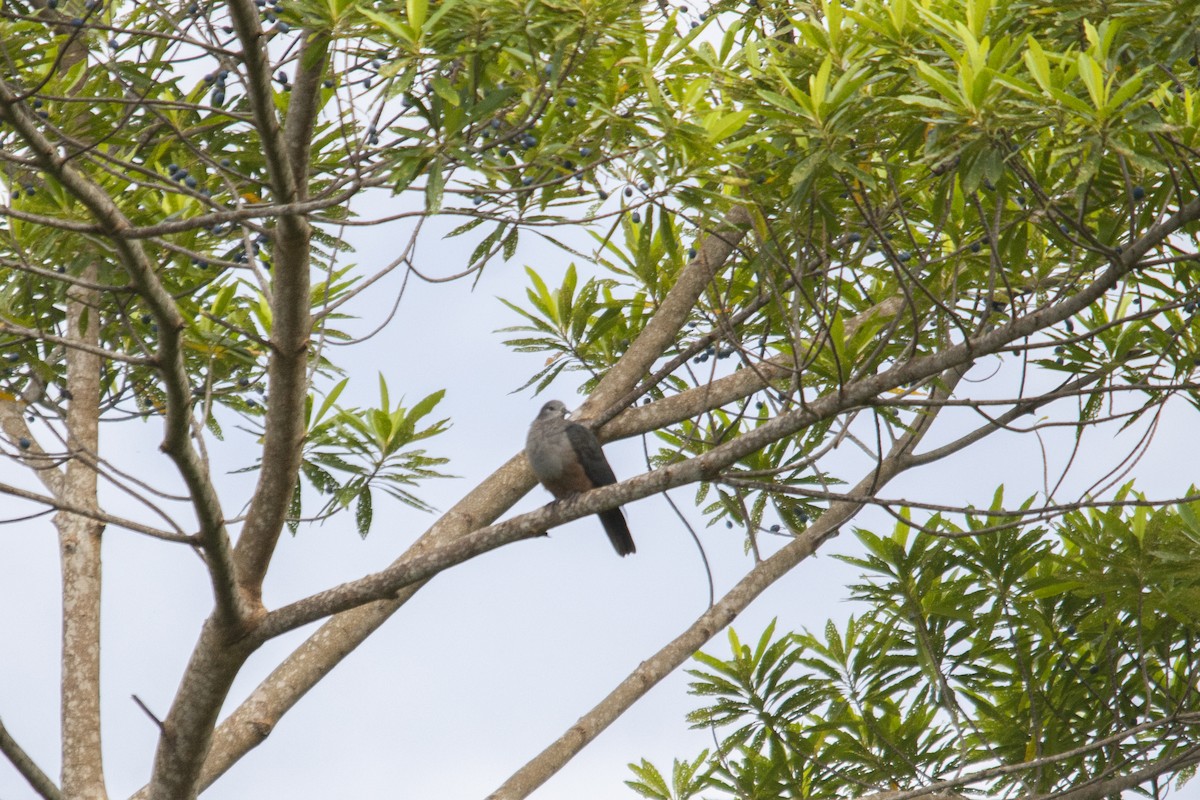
(618, 531)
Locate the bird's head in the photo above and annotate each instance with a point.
(555, 409)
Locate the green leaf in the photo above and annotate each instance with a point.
(363, 512)
(721, 126)
(417, 11)
(435, 185)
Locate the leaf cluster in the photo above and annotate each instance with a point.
(1068, 650)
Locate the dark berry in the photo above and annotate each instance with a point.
(1138, 193)
(24, 443)
(571, 102)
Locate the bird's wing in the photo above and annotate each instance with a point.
(591, 457)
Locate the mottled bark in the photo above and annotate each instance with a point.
(79, 545)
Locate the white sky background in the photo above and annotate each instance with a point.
(496, 658)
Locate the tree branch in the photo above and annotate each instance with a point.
(95, 514)
(671, 314)
(252, 722)
(25, 765)
(79, 542)
(1092, 791)
(169, 357)
(287, 161)
(713, 620)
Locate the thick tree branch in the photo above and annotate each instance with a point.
(713, 620)
(79, 544)
(1115, 786)
(44, 466)
(287, 158)
(249, 725)
(253, 720)
(742, 383)
(671, 314)
(304, 106)
(220, 652)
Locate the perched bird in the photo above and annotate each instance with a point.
(567, 460)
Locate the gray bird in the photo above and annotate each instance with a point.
(567, 460)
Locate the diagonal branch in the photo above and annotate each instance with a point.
(714, 619)
(44, 466)
(250, 724)
(1093, 790)
(672, 312)
(25, 765)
